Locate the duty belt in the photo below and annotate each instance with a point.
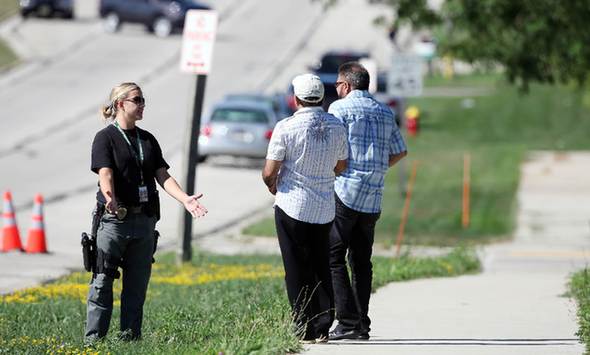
(135, 209)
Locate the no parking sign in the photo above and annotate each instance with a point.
(198, 37)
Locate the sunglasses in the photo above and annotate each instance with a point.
(138, 100)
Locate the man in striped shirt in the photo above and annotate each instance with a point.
(375, 144)
(305, 153)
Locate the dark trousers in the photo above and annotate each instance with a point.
(133, 241)
(305, 251)
(353, 234)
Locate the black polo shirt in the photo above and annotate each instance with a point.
(110, 150)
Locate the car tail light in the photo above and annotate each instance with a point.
(268, 134)
(206, 131)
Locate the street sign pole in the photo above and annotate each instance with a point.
(197, 50)
(404, 80)
(191, 152)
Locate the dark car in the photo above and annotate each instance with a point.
(327, 69)
(47, 8)
(162, 17)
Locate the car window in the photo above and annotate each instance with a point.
(239, 115)
(330, 63)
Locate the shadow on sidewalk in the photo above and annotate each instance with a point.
(459, 341)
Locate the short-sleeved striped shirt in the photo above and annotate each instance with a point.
(309, 144)
(373, 136)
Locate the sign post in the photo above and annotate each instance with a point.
(198, 38)
(405, 76)
(404, 80)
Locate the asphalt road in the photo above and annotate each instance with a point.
(49, 108)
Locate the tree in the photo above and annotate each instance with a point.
(543, 41)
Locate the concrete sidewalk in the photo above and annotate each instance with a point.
(517, 305)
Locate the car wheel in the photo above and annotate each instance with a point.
(162, 27)
(68, 15)
(111, 22)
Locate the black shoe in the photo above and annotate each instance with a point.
(344, 334)
(363, 336)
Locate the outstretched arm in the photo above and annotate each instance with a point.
(191, 203)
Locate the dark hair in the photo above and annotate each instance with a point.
(307, 103)
(355, 74)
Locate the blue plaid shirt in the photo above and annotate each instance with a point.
(373, 136)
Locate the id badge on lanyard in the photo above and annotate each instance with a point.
(142, 189)
(143, 194)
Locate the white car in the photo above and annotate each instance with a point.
(239, 127)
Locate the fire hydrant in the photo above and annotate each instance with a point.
(412, 120)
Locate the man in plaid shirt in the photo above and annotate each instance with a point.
(375, 144)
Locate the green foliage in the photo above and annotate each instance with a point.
(235, 312)
(579, 287)
(535, 41)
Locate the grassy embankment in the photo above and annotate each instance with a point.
(7, 56)
(229, 305)
(580, 289)
(497, 130)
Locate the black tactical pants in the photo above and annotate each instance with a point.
(132, 241)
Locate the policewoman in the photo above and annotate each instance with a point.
(128, 161)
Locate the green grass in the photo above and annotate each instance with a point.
(8, 8)
(7, 56)
(579, 287)
(220, 304)
(497, 131)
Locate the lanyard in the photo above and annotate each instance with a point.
(138, 160)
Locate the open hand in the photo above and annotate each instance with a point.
(194, 207)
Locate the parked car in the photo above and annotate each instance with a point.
(162, 17)
(47, 8)
(278, 101)
(327, 69)
(239, 127)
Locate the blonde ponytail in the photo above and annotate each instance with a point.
(109, 112)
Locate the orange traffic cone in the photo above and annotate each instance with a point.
(36, 238)
(10, 234)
